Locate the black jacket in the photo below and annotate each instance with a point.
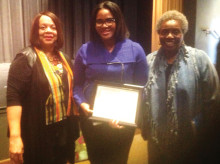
(29, 87)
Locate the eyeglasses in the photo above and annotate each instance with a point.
(107, 22)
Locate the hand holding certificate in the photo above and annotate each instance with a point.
(116, 102)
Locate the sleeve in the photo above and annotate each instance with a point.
(19, 79)
(143, 122)
(141, 77)
(79, 79)
(141, 67)
(209, 78)
(209, 91)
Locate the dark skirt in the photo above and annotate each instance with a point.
(55, 144)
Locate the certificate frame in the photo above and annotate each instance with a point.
(114, 101)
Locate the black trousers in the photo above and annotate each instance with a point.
(106, 145)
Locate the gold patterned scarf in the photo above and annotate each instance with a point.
(55, 107)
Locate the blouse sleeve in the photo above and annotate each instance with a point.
(19, 79)
(141, 67)
(79, 79)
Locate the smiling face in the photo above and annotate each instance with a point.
(47, 32)
(171, 36)
(106, 29)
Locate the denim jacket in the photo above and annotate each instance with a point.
(177, 110)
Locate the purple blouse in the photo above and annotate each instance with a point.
(125, 64)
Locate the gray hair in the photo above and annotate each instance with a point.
(175, 15)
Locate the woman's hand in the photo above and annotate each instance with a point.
(115, 124)
(16, 150)
(86, 109)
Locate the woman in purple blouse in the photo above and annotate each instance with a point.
(109, 56)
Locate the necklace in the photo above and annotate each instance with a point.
(55, 60)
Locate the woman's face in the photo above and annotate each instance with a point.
(47, 32)
(105, 25)
(171, 36)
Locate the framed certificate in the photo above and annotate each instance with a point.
(113, 101)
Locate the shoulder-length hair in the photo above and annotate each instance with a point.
(34, 35)
(121, 31)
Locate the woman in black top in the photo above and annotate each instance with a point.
(40, 106)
